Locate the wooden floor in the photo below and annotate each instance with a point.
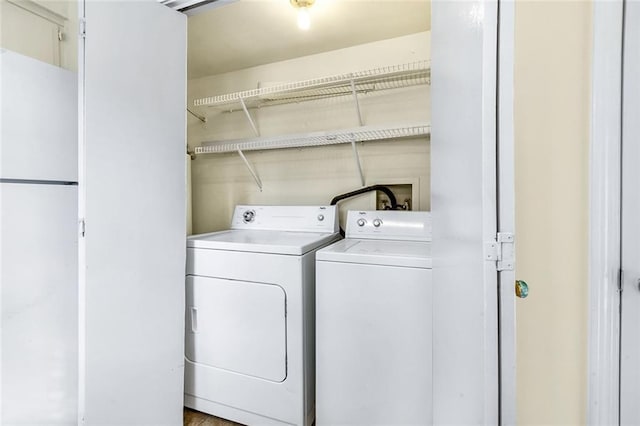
(196, 418)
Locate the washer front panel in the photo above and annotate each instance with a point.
(374, 345)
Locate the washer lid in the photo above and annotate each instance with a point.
(412, 254)
(274, 242)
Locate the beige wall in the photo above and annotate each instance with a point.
(552, 101)
(31, 29)
(310, 175)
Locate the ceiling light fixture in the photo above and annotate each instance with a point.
(304, 21)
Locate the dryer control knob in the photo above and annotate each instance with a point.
(320, 217)
(361, 222)
(248, 216)
(377, 223)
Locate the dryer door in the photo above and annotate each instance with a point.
(238, 326)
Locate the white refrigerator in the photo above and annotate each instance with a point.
(38, 242)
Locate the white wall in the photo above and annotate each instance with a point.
(309, 175)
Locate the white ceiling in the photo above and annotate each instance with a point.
(247, 33)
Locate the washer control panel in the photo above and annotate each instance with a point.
(286, 218)
(389, 225)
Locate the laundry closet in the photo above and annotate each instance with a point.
(415, 110)
(303, 131)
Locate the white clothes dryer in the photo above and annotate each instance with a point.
(373, 322)
(249, 354)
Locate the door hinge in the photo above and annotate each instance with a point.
(502, 251)
(83, 27)
(81, 228)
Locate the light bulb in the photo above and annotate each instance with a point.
(304, 21)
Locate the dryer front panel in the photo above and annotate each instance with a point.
(238, 326)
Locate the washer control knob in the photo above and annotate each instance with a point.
(361, 222)
(377, 223)
(248, 216)
(320, 217)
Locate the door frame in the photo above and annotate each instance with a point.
(506, 210)
(495, 362)
(605, 214)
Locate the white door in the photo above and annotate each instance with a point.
(630, 304)
(132, 196)
(469, 386)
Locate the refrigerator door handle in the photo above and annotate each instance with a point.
(194, 319)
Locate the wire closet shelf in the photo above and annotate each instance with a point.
(362, 82)
(359, 134)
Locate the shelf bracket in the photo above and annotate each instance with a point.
(198, 116)
(357, 160)
(355, 98)
(246, 112)
(253, 173)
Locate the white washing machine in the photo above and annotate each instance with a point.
(249, 354)
(373, 322)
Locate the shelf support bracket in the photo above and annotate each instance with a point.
(198, 116)
(246, 112)
(356, 156)
(355, 98)
(253, 173)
